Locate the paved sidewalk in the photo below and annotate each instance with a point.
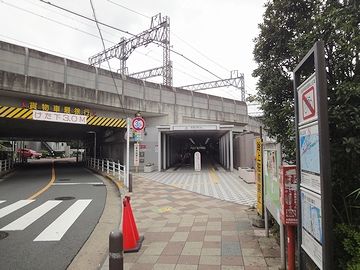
(184, 231)
(220, 184)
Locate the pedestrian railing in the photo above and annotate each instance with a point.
(110, 167)
(6, 165)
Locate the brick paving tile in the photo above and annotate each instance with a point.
(252, 252)
(210, 260)
(229, 267)
(212, 245)
(229, 238)
(148, 258)
(196, 236)
(211, 251)
(232, 260)
(209, 267)
(186, 267)
(127, 266)
(254, 261)
(189, 259)
(191, 251)
(160, 266)
(173, 248)
(183, 228)
(142, 266)
(255, 268)
(170, 259)
(187, 231)
(213, 233)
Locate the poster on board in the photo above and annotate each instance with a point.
(311, 228)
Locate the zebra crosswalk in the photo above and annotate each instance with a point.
(56, 230)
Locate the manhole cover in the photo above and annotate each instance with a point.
(98, 185)
(64, 198)
(64, 179)
(3, 235)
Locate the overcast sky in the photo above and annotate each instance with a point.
(217, 34)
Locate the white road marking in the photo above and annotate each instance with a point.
(56, 230)
(79, 183)
(26, 220)
(13, 207)
(2, 201)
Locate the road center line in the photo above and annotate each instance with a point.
(2, 201)
(48, 185)
(56, 230)
(26, 220)
(13, 207)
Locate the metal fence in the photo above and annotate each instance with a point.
(109, 167)
(6, 165)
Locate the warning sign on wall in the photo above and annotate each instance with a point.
(307, 101)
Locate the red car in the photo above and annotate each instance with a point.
(28, 153)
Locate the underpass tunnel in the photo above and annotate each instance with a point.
(177, 149)
(51, 138)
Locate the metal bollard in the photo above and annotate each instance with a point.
(116, 254)
(130, 182)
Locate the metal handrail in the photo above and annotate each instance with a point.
(110, 167)
(6, 165)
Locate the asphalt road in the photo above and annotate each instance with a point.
(48, 231)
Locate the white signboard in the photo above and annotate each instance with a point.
(59, 117)
(195, 127)
(136, 154)
(307, 101)
(197, 161)
(310, 157)
(311, 230)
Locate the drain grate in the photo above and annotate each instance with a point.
(3, 235)
(65, 198)
(63, 179)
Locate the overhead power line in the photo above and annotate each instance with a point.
(115, 28)
(87, 18)
(129, 9)
(104, 24)
(112, 75)
(188, 44)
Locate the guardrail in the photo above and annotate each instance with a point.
(109, 167)
(6, 165)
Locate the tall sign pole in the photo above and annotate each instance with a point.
(128, 123)
(313, 160)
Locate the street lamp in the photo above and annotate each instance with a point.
(93, 132)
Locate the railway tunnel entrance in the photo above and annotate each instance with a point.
(177, 145)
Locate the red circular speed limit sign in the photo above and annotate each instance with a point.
(138, 123)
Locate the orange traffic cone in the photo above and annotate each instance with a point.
(131, 240)
(132, 220)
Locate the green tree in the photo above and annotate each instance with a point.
(288, 31)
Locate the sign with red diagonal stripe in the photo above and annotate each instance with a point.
(308, 103)
(307, 109)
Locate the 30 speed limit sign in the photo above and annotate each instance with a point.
(138, 123)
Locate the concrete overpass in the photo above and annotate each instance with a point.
(40, 82)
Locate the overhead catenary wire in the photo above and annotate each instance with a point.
(123, 31)
(111, 73)
(112, 27)
(129, 9)
(65, 16)
(187, 43)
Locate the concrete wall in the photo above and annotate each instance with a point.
(31, 72)
(244, 151)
